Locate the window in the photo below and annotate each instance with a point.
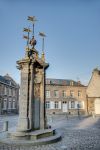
(72, 93)
(79, 93)
(14, 104)
(47, 94)
(9, 103)
(48, 104)
(64, 94)
(13, 92)
(80, 105)
(5, 104)
(64, 102)
(72, 104)
(5, 90)
(56, 94)
(71, 83)
(0, 90)
(10, 83)
(9, 92)
(56, 105)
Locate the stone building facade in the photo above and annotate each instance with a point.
(65, 96)
(9, 95)
(93, 93)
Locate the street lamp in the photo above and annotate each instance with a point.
(78, 111)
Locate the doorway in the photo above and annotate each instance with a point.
(64, 106)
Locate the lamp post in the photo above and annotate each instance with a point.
(78, 111)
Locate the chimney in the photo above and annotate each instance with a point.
(79, 82)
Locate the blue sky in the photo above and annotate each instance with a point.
(72, 45)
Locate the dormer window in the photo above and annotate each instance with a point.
(10, 83)
(5, 90)
(64, 94)
(72, 93)
(71, 83)
(79, 93)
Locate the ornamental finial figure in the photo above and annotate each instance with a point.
(33, 42)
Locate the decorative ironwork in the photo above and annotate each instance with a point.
(33, 20)
(42, 34)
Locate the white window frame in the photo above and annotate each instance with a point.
(47, 104)
(9, 103)
(14, 104)
(56, 104)
(79, 94)
(72, 93)
(64, 95)
(5, 103)
(71, 83)
(56, 93)
(59, 104)
(9, 91)
(80, 103)
(47, 93)
(72, 104)
(52, 104)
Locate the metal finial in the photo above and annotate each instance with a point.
(33, 20)
(42, 34)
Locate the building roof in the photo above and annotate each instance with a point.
(65, 82)
(8, 80)
(93, 89)
(3, 80)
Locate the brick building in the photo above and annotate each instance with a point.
(65, 96)
(9, 95)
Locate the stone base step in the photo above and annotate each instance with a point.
(33, 135)
(41, 141)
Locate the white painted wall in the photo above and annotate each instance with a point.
(97, 106)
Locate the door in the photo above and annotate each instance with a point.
(97, 106)
(64, 107)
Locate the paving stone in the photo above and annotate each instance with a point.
(77, 134)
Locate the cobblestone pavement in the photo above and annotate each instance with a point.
(77, 134)
(12, 119)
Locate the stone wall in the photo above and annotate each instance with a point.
(93, 89)
(91, 109)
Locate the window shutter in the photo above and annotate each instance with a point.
(52, 105)
(76, 102)
(83, 104)
(69, 104)
(59, 104)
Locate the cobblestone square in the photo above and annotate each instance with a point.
(77, 133)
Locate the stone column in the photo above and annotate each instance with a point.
(45, 116)
(0, 106)
(42, 101)
(31, 97)
(23, 122)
